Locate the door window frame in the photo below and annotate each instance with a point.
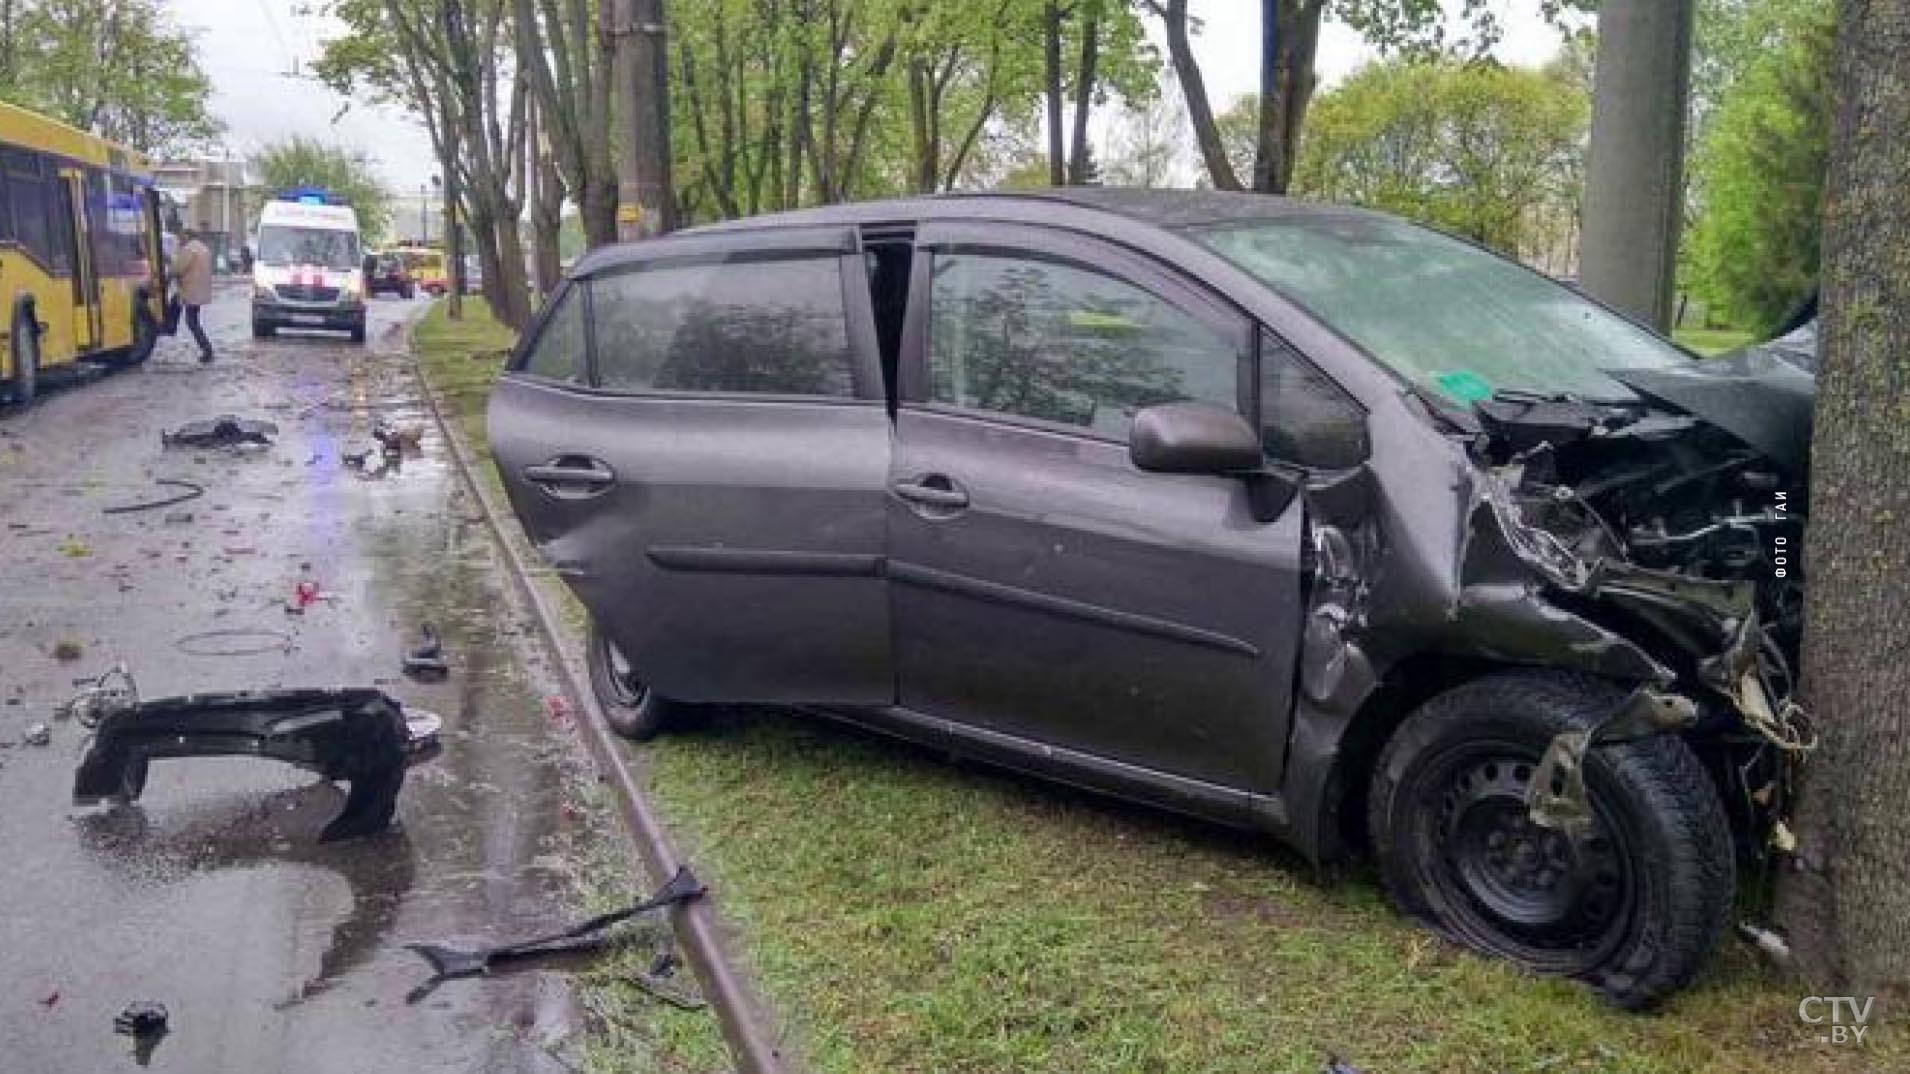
(1073, 250)
(838, 243)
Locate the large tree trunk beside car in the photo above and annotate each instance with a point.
(1846, 903)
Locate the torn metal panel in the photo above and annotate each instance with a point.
(360, 735)
(1556, 796)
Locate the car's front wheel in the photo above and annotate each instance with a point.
(1634, 904)
(633, 709)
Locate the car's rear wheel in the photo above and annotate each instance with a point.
(262, 330)
(633, 709)
(1634, 904)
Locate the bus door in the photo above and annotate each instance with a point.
(73, 221)
(153, 250)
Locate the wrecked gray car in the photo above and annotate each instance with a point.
(1293, 516)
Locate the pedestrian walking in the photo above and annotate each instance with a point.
(192, 267)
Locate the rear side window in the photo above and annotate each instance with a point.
(559, 350)
(762, 327)
(1040, 339)
(1305, 418)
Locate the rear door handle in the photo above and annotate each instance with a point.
(934, 490)
(571, 476)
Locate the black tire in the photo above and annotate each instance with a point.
(25, 343)
(261, 330)
(633, 709)
(358, 332)
(1634, 907)
(145, 334)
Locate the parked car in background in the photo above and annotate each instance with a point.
(1297, 517)
(389, 275)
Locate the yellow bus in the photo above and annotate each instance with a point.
(426, 265)
(82, 274)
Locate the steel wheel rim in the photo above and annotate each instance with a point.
(1536, 895)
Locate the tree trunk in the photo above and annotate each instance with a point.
(597, 212)
(1200, 113)
(1846, 903)
(1290, 36)
(547, 210)
(1051, 69)
(1079, 155)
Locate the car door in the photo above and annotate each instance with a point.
(697, 439)
(1044, 587)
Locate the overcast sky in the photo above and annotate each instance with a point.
(252, 48)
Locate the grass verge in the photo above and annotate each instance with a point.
(1710, 341)
(907, 914)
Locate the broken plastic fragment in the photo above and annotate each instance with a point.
(1783, 838)
(225, 430)
(450, 963)
(358, 735)
(142, 1018)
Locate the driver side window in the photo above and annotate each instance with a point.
(1041, 339)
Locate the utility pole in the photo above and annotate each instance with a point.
(646, 199)
(1634, 182)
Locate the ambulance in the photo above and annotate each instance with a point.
(308, 269)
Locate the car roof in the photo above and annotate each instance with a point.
(1117, 212)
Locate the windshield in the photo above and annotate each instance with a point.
(1444, 314)
(281, 245)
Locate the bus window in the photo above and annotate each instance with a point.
(29, 197)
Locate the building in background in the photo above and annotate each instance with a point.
(212, 197)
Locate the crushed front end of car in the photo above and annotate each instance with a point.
(1675, 522)
(1537, 640)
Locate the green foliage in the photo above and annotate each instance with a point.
(300, 161)
(118, 68)
(780, 103)
(1758, 173)
(1489, 152)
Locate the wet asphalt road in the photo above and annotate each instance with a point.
(211, 895)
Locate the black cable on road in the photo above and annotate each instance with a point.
(193, 490)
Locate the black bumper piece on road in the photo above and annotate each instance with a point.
(354, 734)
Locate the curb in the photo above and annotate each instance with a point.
(745, 1027)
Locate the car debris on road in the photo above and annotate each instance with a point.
(426, 662)
(360, 735)
(225, 431)
(451, 963)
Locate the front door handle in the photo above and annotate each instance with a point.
(934, 490)
(571, 476)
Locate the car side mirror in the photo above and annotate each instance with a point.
(1193, 438)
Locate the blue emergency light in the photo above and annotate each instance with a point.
(310, 195)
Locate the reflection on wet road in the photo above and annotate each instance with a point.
(211, 895)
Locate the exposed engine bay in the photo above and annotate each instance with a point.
(1676, 520)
